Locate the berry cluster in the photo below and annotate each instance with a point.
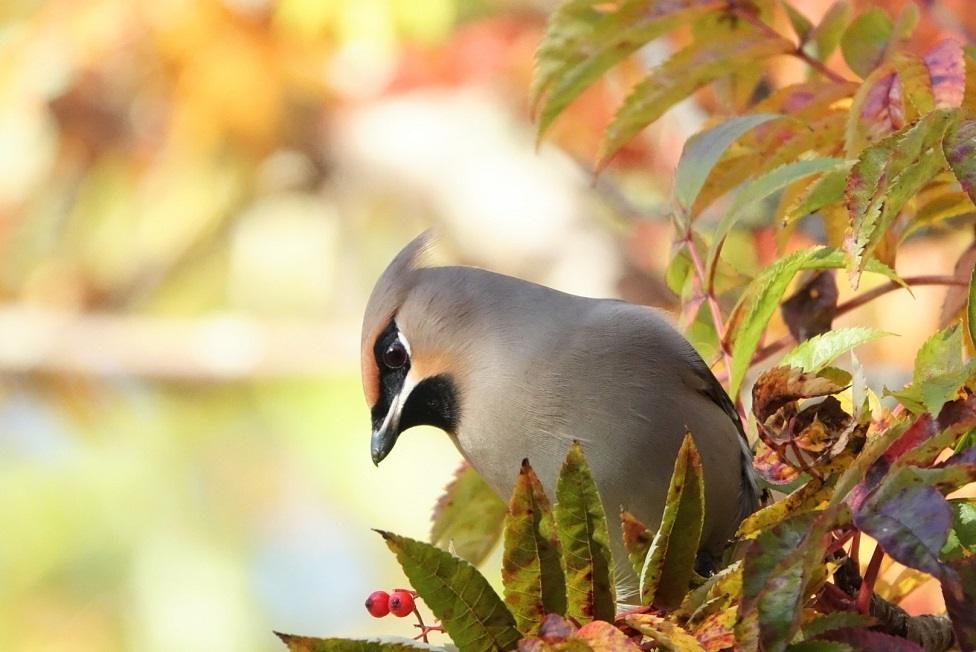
(400, 603)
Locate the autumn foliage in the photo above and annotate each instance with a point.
(874, 150)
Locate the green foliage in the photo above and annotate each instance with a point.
(878, 159)
(531, 568)
(670, 560)
(681, 75)
(818, 352)
(457, 594)
(582, 527)
(865, 41)
(468, 516)
(703, 151)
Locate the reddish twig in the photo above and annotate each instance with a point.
(858, 301)
(863, 600)
(798, 52)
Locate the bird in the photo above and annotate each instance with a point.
(513, 370)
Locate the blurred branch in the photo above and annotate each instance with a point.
(218, 347)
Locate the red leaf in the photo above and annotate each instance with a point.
(947, 72)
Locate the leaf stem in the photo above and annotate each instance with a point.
(797, 52)
(863, 600)
(860, 300)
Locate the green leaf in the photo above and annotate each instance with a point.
(802, 26)
(828, 33)
(583, 42)
(960, 151)
(754, 191)
(827, 190)
(818, 352)
(971, 308)
(804, 499)
(777, 568)
(865, 41)
(962, 537)
(670, 561)
(468, 516)
(458, 595)
(582, 527)
(637, 540)
(704, 149)
(836, 620)
(376, 644)
(688, 70)
(532, 573)
(939, 370)
(885, 177)
(761, 299)
(916, 86)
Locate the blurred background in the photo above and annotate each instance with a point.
(195, 199)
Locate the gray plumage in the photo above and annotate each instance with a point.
(533, 369)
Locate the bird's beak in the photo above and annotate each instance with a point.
(385, 436)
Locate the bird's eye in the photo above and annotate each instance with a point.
(395, 355)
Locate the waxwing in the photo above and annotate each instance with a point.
(510, 369)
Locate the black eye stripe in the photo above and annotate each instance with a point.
(391, 377)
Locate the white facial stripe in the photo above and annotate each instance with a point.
(392, 419)
(403, 340)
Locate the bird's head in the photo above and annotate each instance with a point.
(409, 372)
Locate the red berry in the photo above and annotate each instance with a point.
(401, 603)
(378, 604)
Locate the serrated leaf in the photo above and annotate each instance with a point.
(667, 635)
(960, 151)
(871, 116)
(908, 518)
(565, 67)
(915, 85)
(376, 644)
(457, 594)
(827, 34)
(761, 298)
(802, 26)
(885, 177)
(688, 70)
(865, 41)
(961, 541)
(637, 540)
(468, 516)
(670, 561)
(939, 370)
(804, 499)
(704, 149)
(757, 190)
(563, 45)
(818, 352)
(836, 620)
(532, 574)
(582, 527)
(828, 189)
(776, 570)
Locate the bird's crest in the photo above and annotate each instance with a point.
(388, 295)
